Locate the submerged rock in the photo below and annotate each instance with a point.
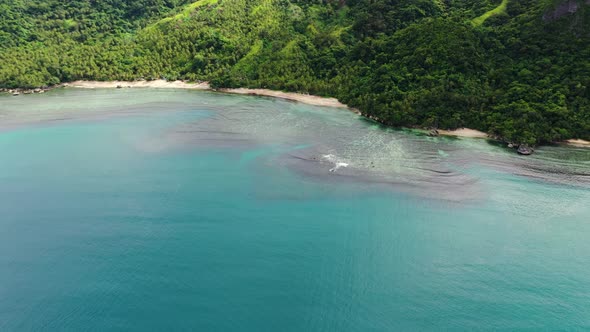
(433, 133)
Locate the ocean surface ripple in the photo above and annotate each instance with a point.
(166, 210)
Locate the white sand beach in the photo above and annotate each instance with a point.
(464, 132)
(580, 143)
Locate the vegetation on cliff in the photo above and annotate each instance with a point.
(519, 70)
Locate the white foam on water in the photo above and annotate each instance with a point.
(336, 161)
(338, 165)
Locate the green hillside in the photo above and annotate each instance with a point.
(519, 70)
(501, 9)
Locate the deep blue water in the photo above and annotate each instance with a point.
(155, 210)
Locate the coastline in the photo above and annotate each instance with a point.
(578, 143)
(159, 84)
(464, 132)
(299, 97)
(162, 84)
(292, 96)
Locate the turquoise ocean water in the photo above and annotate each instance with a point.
(168, 210)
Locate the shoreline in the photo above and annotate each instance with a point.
(464, 132)
(579, 143)
(291, 96)
(162, 84)
(158, 84)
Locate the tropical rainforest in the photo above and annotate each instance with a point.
(516, 69)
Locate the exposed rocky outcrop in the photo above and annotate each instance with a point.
(525, 150)
(433, 133)
(18, 92)
(564, 8)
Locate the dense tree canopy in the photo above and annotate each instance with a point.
(519, 70)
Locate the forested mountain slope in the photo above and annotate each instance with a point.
(518, 69)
